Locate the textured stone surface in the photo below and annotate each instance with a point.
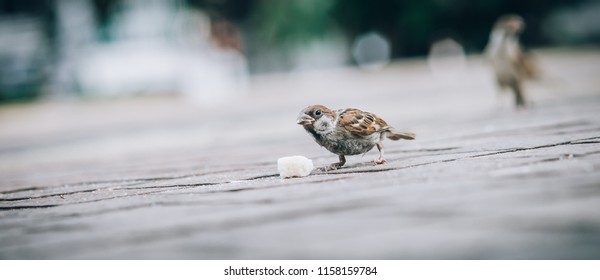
(162, 178)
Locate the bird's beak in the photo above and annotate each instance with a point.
(304, 119)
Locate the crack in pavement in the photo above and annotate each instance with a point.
(582, 141)
(162, 189)
(62, 217)
(117, 181)
(513, 150)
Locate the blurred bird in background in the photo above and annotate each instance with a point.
(511, 65)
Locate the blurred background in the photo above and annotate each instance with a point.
(61, 49)
(146, 119)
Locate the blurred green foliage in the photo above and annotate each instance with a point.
(291, 23)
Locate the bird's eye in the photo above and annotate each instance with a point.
(317, 112)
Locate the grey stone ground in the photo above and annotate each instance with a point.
(161, 178)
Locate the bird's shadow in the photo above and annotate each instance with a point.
(328, 170)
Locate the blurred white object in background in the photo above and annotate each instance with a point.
(156, 47)
(75, 32)
(329, 52)
(217, 77)
(371, 51)
(446, 58)
(125, 68)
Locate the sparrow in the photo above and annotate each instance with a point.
(510, 63)
(348, 131)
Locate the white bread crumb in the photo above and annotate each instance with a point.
(294, 166)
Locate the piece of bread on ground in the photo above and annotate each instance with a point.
(294, 166)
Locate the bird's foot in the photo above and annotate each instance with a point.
(331, 167)
(334, 166)
(380, 161)
(323, 169)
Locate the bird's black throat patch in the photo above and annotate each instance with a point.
(312, 131)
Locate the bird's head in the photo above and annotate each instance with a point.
(511, 24)
(309, 115)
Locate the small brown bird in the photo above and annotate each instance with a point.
(511, 65)
(348, 131)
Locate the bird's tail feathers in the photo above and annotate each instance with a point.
(393, 134)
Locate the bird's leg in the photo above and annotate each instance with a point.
(518, 91)
(381, 160)
(337, 165)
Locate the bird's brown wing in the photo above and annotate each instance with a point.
(528, 65)
(360, 123)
